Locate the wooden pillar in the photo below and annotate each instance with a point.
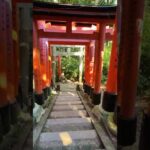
(10, 55)
(94, 70)
(4, 102)
(89, 68)
(85, 65)
(129, 54)
(43, 61)
(91, 61)
(37, 68)
(46, 63)
(53, 67)
(92, 51)
(50, 64)
(11, 81)
(7, 67)
(99, 46)
(49, 68)
(86, 70)
(25, 52)
(3, 56)
(15, 35)
(110, 95)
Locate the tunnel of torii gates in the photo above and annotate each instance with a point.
(67, 52)
(88, 26)
(77, 30)
(79, 24)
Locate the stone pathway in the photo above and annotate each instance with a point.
(68, 126)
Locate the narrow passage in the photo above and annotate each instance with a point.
(68, 126)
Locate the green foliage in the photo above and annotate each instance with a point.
(82, 2)
(106, 58)
(144, 76)
(70, 67)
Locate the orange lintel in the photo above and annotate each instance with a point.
(65, 18)
(68, 43)
(43, 34)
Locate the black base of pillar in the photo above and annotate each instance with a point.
(39, 98)
(91, 93)
(5, 118)
(14, 110)
(1, 128)
(87, 89)
(96, 98)
(45, 93)
(109, 101)
(126, 131)
(48, 90)
(145, 133)
(118, 109)
(78, 87)
(58, 88)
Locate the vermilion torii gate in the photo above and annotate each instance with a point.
(11, 67)
(78, 24)
(89, 23)
(79, 54)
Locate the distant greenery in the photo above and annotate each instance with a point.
(70, 67)
(144, 76)
(106, 58)
(83, 2)
(70, 64)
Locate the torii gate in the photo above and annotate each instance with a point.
(77, 24)
(80, 54)
(73, 19)
(79, 43)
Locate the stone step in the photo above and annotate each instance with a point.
(71, 140)
(67, 98)
(68, 93)
(68, 114)
(70, 99)
(68, 102)
(65, 89)
(68, 107)
(67, 124)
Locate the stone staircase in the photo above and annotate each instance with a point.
(68, 126)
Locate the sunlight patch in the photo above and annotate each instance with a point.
(65, 138)
(71, 93)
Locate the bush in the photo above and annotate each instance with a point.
(144, 74)
(106, 59)
(70, 67)
(70, 64)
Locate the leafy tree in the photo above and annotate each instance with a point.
(144, 76)
(70, 67)
(83, 2)
(106, 58)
